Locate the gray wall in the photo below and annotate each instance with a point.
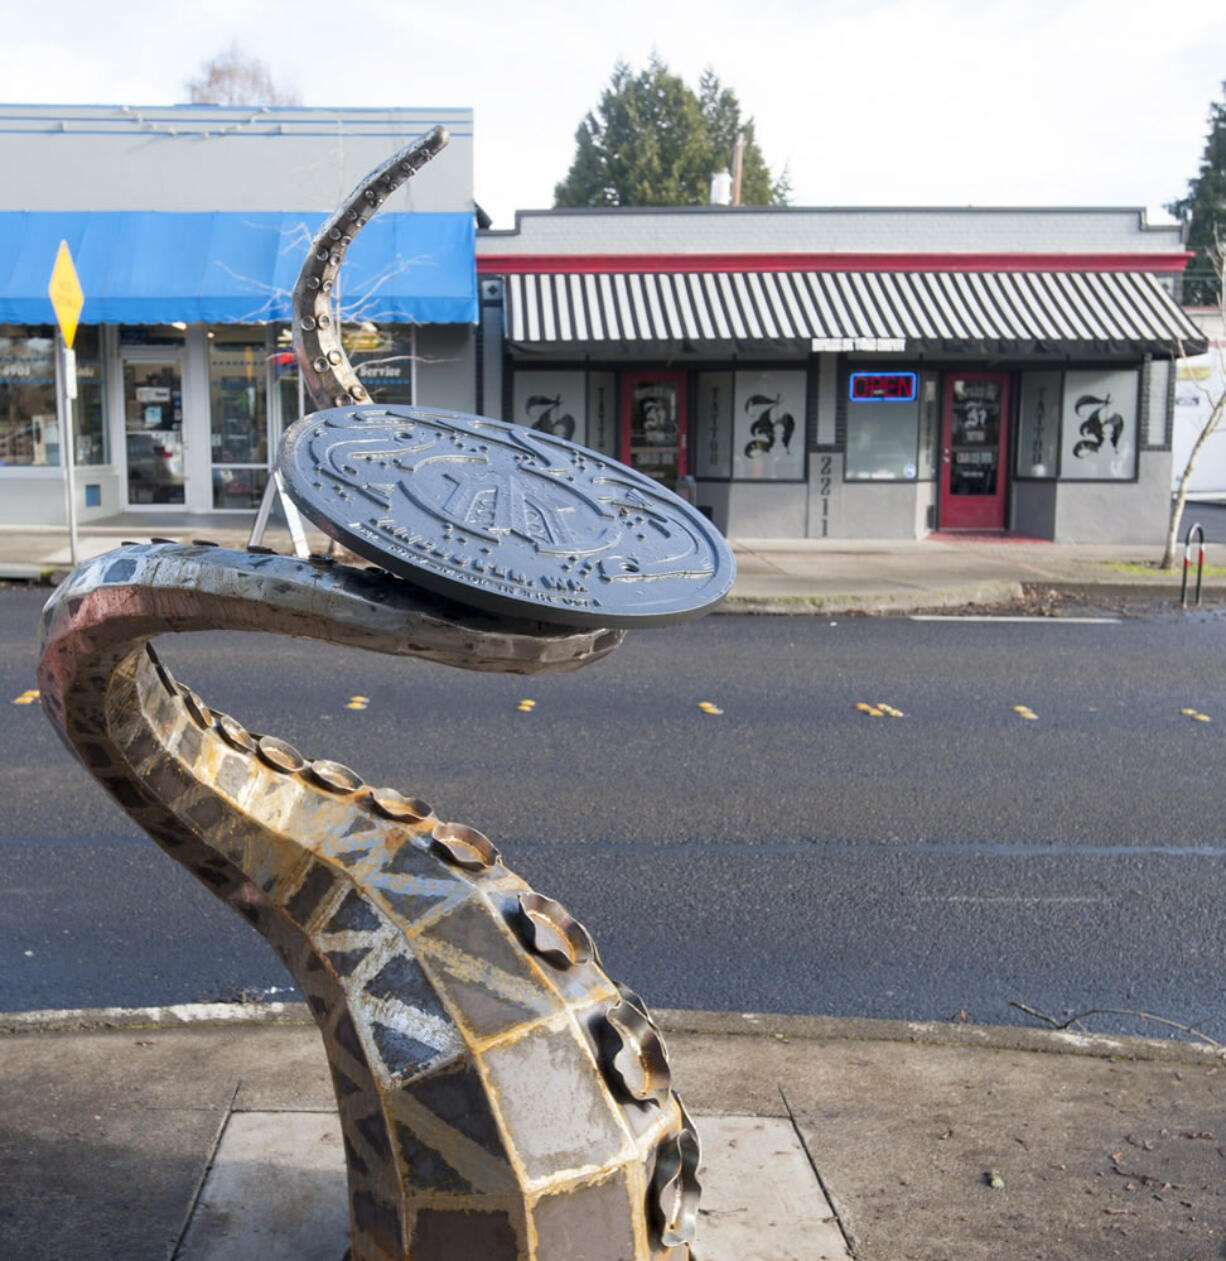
(35, 496)
(824, 507)
(877, 510)
(1034, 509)
(1111, 512)
(925, 508)
(209, 157)
(447, 366)
(762, 510)
(719, 229)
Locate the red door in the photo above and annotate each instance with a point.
(654, 424)
(974, 451)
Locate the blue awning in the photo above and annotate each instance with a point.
(153, 267)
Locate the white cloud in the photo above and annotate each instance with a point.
(892, 102)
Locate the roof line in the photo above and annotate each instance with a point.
(592, 211)
(243, 109)
(490, 264)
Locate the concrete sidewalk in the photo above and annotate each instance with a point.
(172, 1132)
(774, 575)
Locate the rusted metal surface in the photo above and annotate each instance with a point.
(500, 1096)
(502, 1099)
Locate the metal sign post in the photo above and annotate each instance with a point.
(65, 396)
(67, 299)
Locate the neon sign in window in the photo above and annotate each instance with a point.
(882, 387)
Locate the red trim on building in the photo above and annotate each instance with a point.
(581, 264)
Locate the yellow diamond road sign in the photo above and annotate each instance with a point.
(66, 295)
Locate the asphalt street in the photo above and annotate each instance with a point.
(791, 853)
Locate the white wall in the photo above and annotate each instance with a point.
(208, 157)
(1199, 382)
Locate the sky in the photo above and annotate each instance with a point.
(882, 102)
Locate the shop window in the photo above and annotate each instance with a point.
(286, 381)
(134, 335)
(929, 428)
(1099, 425)
(713, 425)
(382, 357)
(768, 431)
(884, 410)
(29, 423)
(554, 402)
(238, 411)
(1038, 425)
(91, 441)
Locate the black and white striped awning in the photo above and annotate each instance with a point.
(932, 311)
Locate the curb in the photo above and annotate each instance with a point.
(991, 591)
(48, 575)
(1148, 588)
(174, 1016)
(698, 1023)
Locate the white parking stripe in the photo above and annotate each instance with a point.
(1037, 621)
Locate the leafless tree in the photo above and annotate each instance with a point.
(235, 78)
(1217, 409)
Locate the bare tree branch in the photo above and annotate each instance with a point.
(233, 77)
(1117, 1011)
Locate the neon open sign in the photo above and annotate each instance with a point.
(882, 387)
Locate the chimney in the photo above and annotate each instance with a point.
(738, 162)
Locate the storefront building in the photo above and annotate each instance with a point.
(871, 373)
(188, 225)
(820, 373)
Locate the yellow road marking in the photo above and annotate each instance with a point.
(357, 702)
(708, 708)
(27, 697)
(889, 709)
(526, 706)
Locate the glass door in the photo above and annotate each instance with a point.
(238, 416)
(153, 432)
(654, 424)
(973, 441)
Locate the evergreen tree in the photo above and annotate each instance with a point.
(1204, 207)
(652, 141)
(721, 112)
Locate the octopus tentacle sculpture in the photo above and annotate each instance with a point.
(500, 1096)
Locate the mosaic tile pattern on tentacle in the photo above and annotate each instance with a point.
(499, 1096)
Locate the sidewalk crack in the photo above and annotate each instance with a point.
(181, 1234)
(848, 1241)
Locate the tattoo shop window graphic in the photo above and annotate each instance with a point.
(547, 415)
(1099, 425)
(769, 424)
(768, 433)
